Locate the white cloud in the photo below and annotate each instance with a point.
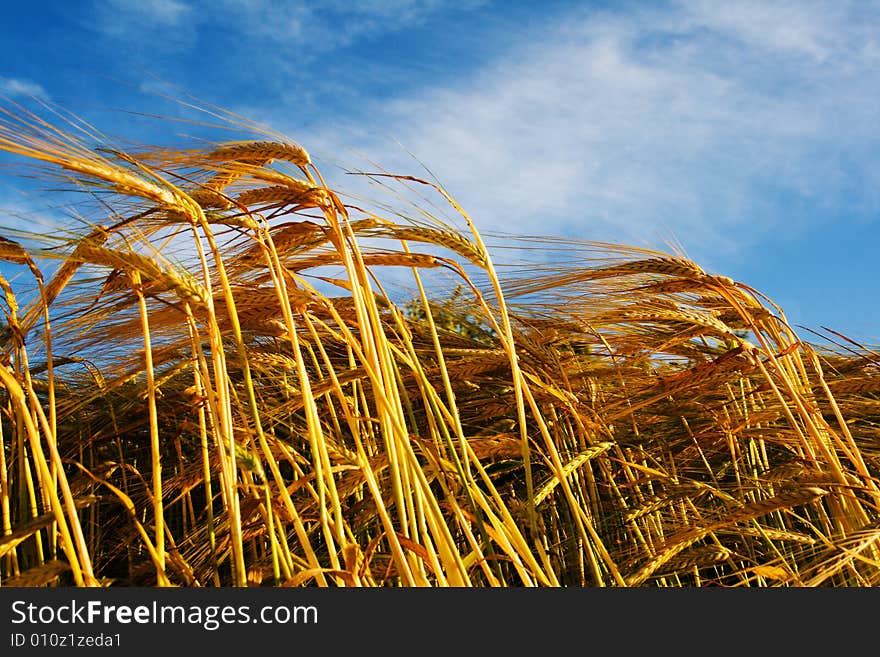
(705, 121)
(321, 27)
(306, 29)
(13, 87)
(163, 12)
(807, 29)
(123, 19)
(20, 211)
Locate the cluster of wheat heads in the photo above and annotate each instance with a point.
(189, 399)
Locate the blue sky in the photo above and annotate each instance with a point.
(747, 132)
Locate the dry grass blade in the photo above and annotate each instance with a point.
(681, 541)
(259, 152)
(570, 467)
(283, 195)
(41, 575)
(416, 428)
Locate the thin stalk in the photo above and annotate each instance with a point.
(155, 447)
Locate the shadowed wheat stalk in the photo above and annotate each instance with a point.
(221, 385)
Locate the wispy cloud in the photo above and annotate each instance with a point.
(332, 23)
(168, 13)
(164, 25)
(12, 87)
(305, 28)
(711, 123)
(20, 211)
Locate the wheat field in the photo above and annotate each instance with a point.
(224, 372)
